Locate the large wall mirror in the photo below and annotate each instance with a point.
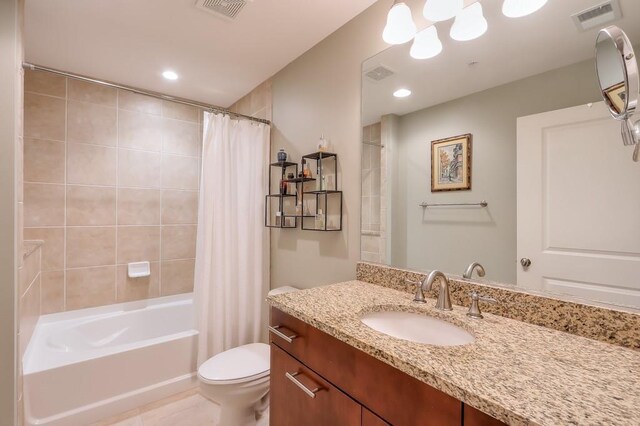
(504, 153)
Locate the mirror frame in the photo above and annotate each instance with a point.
(630, 70)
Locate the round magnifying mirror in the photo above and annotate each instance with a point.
(617, 72)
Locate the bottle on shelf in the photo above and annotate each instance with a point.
(283, 187)
(319, 219)
(282, 155)
(306, 172)
(322, 144)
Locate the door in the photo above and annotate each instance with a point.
(298, 396)
(578, 206)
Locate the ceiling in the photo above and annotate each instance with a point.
(510, 50)
(132, 41)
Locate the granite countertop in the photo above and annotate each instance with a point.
(519, 373)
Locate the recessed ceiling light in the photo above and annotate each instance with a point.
(170, 75)
(402, 93)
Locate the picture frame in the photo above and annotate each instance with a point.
(451, 163)
(617, 96)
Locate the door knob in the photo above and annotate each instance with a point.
(525, 262)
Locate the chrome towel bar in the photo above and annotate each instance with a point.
(482, 203)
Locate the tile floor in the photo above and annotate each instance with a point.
(184, 409)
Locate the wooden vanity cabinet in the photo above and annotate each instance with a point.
(350, 387)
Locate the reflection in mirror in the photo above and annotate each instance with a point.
(562, 197)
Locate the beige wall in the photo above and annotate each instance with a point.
(424, 240)
(10, 137)
(111, 177)
(319, 93)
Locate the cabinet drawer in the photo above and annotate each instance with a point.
(301, 397)
(289, 333)
(394, 396)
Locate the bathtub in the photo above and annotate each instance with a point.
(83, 366)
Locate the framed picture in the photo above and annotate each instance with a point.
(451, 164)
(617, 96)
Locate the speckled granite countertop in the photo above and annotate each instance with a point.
(519, 373)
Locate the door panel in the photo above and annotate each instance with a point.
(578, 206)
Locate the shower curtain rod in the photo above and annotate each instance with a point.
(158, 95)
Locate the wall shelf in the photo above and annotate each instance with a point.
(320, 202)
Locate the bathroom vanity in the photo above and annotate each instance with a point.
(327, 367)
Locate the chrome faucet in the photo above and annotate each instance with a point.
(444, 300)
(469, 272)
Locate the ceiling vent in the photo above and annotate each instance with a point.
(379, 73)
(597, 16)
(226, 9)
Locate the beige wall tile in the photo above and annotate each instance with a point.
(90, 206)
(179, 207)
(52, 296)
(45, 83)
(91, 123)
(44, 117)
(179, 172)
(53, 247)
(19, 173)
(138, 206)
(141, 103)
(178, 242)
(29, 271)
(138, 288)
(138, 244)
(138, 168)
(43, 204)
(176, 277)
(179, 111)
(91, 164)
(90, 92)
(44, 161)
(139, 130)
(87, 287)
(180, 137)
(91, 246)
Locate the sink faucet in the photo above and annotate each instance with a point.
(444, 299)
(469, 272)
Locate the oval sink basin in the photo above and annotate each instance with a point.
(418, 328)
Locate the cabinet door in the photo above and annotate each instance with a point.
(298, 396)
(474, 417)
(370, 419)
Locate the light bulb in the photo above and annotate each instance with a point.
(170, 75)
(519, 8)
(441, 10)
(402, 93)
(400, 27)
(426, 44)
(469, 24)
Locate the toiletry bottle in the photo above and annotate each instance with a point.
(306, 172)
(282, 155)
(322, 144)
(319, 219)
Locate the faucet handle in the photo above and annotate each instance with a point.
(419, 295)
(474, 308)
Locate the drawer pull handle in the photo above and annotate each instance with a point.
(310, 392)
(288, 339)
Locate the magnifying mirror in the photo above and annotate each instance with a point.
(619, 83)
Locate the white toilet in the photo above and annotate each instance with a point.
(238, 380)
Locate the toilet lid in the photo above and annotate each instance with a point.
(243, 363)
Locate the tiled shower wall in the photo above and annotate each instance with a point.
(110, 177)
(372, 245)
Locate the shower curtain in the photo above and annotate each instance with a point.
(232, 248)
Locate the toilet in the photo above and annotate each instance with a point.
(238, 380)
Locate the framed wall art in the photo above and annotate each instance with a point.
(451, 164)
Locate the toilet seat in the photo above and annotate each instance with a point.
(238, 365)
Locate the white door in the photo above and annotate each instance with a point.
(578, 206)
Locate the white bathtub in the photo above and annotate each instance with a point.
(83, 366)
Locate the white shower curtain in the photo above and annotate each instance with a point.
(232, 249)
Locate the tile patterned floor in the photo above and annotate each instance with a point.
(184, 409)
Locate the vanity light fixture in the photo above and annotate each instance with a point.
(441, 10)
(519, 8)
(426, 44)
(469, 24)
(400, 27)
(402, 93)
(170, 75)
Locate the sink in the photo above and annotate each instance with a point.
(418, 328)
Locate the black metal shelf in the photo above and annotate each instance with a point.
(283, 164)
(319, 155)
(282, 195)
(322, 191)
(300, 180)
